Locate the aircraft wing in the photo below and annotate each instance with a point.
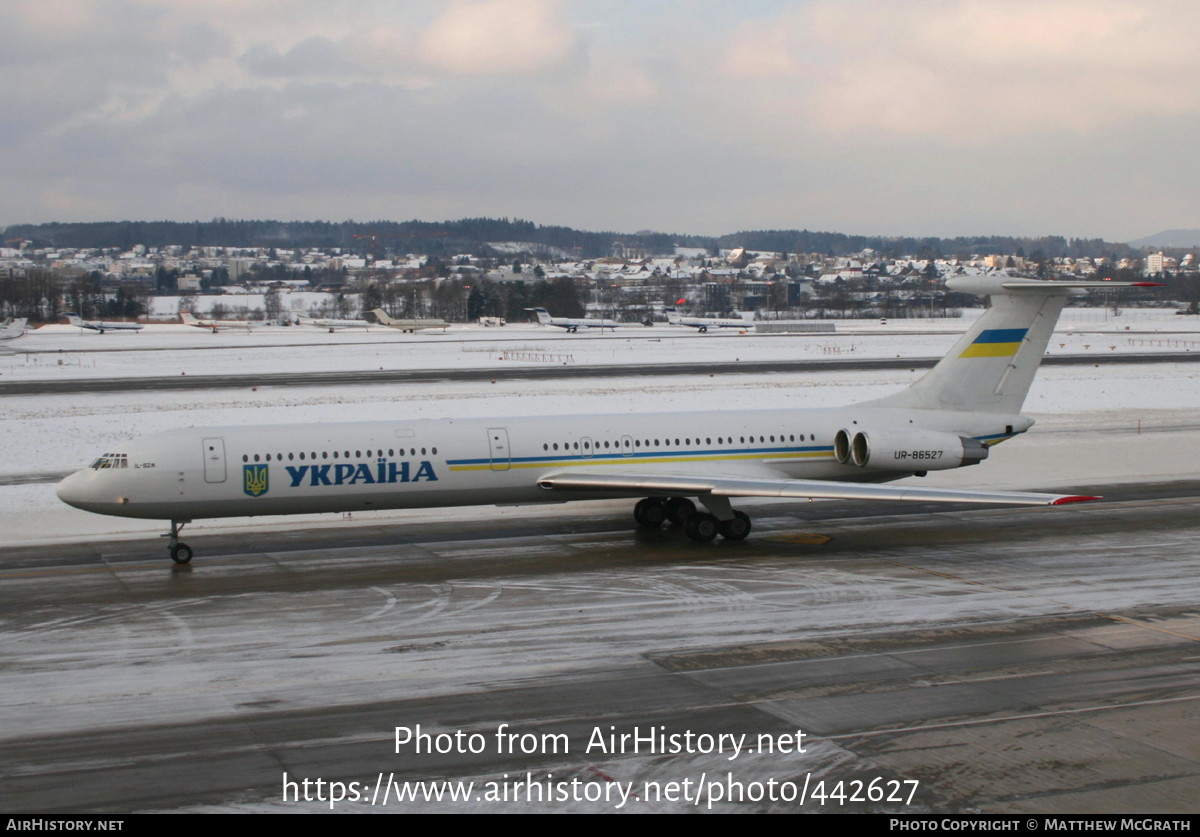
(643, 485)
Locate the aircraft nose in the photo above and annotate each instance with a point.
(76, 491)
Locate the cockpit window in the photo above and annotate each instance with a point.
(110, 460)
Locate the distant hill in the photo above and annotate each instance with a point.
(1170, 238)
(478, 235)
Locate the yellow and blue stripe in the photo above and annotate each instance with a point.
(655, 457)
(996, 342)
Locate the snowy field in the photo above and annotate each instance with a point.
(1095, 424)
(62, 352)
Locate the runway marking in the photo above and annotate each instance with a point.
(802, 537)
(1138, 624)
(986, 679)
(1003, 718)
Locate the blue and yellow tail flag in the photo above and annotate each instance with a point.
(996, 342)
(255, 480)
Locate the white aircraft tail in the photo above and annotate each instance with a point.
(382, 316)
(74, 319)
(542, 314)
(990, 369)
(187, 318)
(672, 315)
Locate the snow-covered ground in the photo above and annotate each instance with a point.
(61, 352)
(1095, 423)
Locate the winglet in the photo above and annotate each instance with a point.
(1077, 498)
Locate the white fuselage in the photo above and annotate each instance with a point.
(292, 469)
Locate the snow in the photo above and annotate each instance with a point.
(62, 352)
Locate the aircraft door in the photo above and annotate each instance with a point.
(498, 448)
(214, 460)
(626, 446)
(586, 447)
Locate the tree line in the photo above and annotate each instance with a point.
(472, 236)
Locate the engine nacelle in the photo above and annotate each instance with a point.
(917, 450)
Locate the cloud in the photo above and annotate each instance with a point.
(937, 116)
(965, 71)
(498, 37)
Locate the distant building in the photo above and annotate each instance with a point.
(1154, 264)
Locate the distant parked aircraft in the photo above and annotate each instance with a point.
(333, 324)
(97, 325)
(703, 324)
(215, 325)
(408, 325)
(573, 325)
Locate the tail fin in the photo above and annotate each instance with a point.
(73, 319)
(187, 319)
(542, 314)
(381, 316)
(990, 369)
(672, 315)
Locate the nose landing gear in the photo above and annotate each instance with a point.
(180, 552)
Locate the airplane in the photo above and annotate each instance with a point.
(334, 324)
(11, 329)
(97, 325)
(573, 325)
(949, 418)
(703, 324)
(214, 325)
(408, 325)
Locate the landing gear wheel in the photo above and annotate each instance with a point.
(180, 553)
(736, 529)
(702, 527)
(650, 513)
(679, 509)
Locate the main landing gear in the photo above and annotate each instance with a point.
(181, 553)
(720, 519)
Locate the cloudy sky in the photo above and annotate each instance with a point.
(928, 117)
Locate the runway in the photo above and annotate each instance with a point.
(996, 660)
